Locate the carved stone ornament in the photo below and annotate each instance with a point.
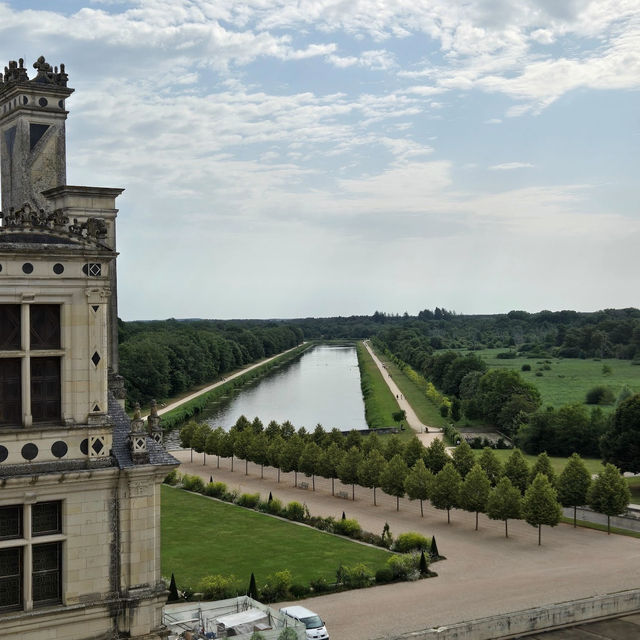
(29, 217)
(15, 72)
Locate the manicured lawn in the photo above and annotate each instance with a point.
(201, 536)
(634, 486)
(568, 380)
(593, 465)
(380, 403)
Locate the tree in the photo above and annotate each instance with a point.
(242, 446)
(436, 456)
(290, 456)
(418, 483)
(573, 484)
(212, 444)
(543, 465)
(186, 434)
(272, 430)
(620, 444)
(517, 470)
(309, 461)
(319, 435)
(463, 458)
(394, 447)
(257, 426)
(413, 451)
(258, 451)
(504, 503)
(199, 438)
(226, 446)
(353, 439)
(274, 452)
(445, 493)
(371, 442)
(474, 492)
(490, 464)
(609, 494)
(392, 478)
(328, 463)
(540, 505)
(348, 468)
(370, 469)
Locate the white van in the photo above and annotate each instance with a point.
(315, 626)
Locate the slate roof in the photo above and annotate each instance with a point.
(120, 446)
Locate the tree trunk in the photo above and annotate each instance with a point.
(192, 455)
(204, 458)
(295, 478)
(232, 463)
(448, 516)
(506, 529)
(574, 515)
(313, 482)
(608, 525)
(539, 534)
(353, 492)
(476, 520)
(278, 474)
(421, 509)
(332, 491)
(261, 472)
(246, 467)
(374, 497)
(218, 462)
(397, 503)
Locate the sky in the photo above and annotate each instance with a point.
(287, 159)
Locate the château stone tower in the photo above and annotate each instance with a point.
(79, 489)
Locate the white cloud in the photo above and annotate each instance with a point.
(509, 166)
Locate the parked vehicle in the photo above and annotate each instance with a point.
(312, 621)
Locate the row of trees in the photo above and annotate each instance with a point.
(504, 492)
(160, 359)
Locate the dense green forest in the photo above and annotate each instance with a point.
(163, 358)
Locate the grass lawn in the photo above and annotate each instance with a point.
(380, 404)
(634, 486)
(201, 537)
(568, 379)
(426, 411)
(593, 464)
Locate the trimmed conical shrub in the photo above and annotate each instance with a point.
(253, 589)
(173, 590)
(433, 551)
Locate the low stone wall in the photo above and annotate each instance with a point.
(529, 621)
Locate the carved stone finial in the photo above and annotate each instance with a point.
(153, 423)
(138, 438)
(136, 411)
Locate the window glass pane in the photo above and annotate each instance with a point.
(10, 391)
(45, 518)
(45, 389)
(9, 327)
(11, 578)
(46, 573)
(45, 326)
(11, 522)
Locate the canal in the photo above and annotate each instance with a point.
(321, 387)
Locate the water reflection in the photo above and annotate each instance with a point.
(322, 386)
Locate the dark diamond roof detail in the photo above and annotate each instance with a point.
(97, 445)
(95, 358)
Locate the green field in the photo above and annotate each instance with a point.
(593, 465)
(201, 537)
(568, 380)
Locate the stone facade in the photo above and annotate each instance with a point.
(79, 507)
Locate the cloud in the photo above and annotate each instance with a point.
(509, 166)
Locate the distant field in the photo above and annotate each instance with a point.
(203, 537)
(568, 379)
(558, 464)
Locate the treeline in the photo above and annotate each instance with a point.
(160, 359)
(504, 492)
(611, 333)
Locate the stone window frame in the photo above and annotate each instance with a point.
(25, 355)
(27, 540)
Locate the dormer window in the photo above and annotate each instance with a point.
(30, 363)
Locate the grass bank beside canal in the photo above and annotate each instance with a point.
(379, 403)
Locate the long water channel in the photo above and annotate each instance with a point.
(321, 387)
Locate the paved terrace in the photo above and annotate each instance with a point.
(484, 573)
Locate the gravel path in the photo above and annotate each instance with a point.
(484, 573)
